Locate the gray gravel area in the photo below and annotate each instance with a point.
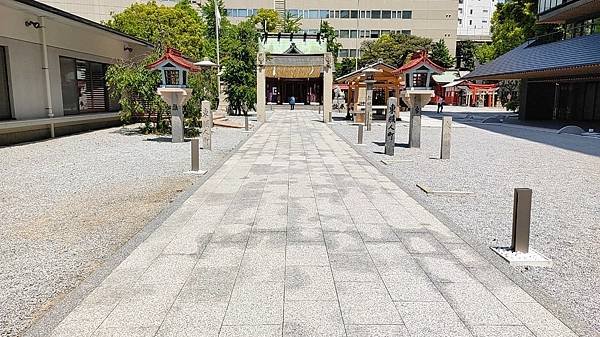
(491, 160)
(67, 204)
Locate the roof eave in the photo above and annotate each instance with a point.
(66, 15)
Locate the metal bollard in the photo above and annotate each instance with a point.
(246, 121)
(195, 154)
(521, 220)
(446, 132)
(360, 133)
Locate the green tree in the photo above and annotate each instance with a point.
(135, 88)
(513, 23)
(240, 46)
(269, 19)
(291, 23)
(347, 66)
(393, 49)
(441, 55)
(180, 26)
(466, 55)
(333, 46)
(208, 16)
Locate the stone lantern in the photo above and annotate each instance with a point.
(369, 75)
(418, 90)
(174, 69)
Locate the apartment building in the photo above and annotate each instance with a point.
(355, 20)
(474, 19)
(361, 20)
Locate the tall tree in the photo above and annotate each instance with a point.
(291, 23)
(180, 26)
(513, 22)
(393, 49)
(466, 55)
(333, 46)
(346, 66)
(240, 46)
(441, 55)
(269, 19)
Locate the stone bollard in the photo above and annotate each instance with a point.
(246, 121)
(390, 127)
(360, 133)
(206, 129)
(521, 220)
(195, 154)
(446, 133)
(414, 131)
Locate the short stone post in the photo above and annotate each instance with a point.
(360, 133)
(177, 129)
(206, 129)
(521, 220)
(390, 127)
(414, 131)
(195, 154)
(446, 133)
(246, 121)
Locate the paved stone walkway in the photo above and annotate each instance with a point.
(298, 235)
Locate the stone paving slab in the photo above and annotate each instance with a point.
(298, 235)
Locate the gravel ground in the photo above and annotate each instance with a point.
(491, 160)
(67, 204)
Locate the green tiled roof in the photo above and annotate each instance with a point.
(279, 44)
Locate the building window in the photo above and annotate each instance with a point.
(375, 14)
(84, 87)
(374, 34)
(407, 14)
(354, 14)
(4, 92)
(393, 14)
(386, 14)
(352, 52)
(385, 32)
(343, 53)
(406, 31)
(324, 14)
(344, 34)
(470, 22)
(344, 14)
(353, 34)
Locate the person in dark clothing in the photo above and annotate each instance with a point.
(292, 102)
(440, 104)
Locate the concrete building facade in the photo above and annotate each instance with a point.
(361, 20)
(355, 21)
(52, 68)
(475, 19)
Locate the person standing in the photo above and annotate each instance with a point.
(292, 102)
(440, 104)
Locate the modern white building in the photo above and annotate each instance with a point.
(474, 19)
(52, 71)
